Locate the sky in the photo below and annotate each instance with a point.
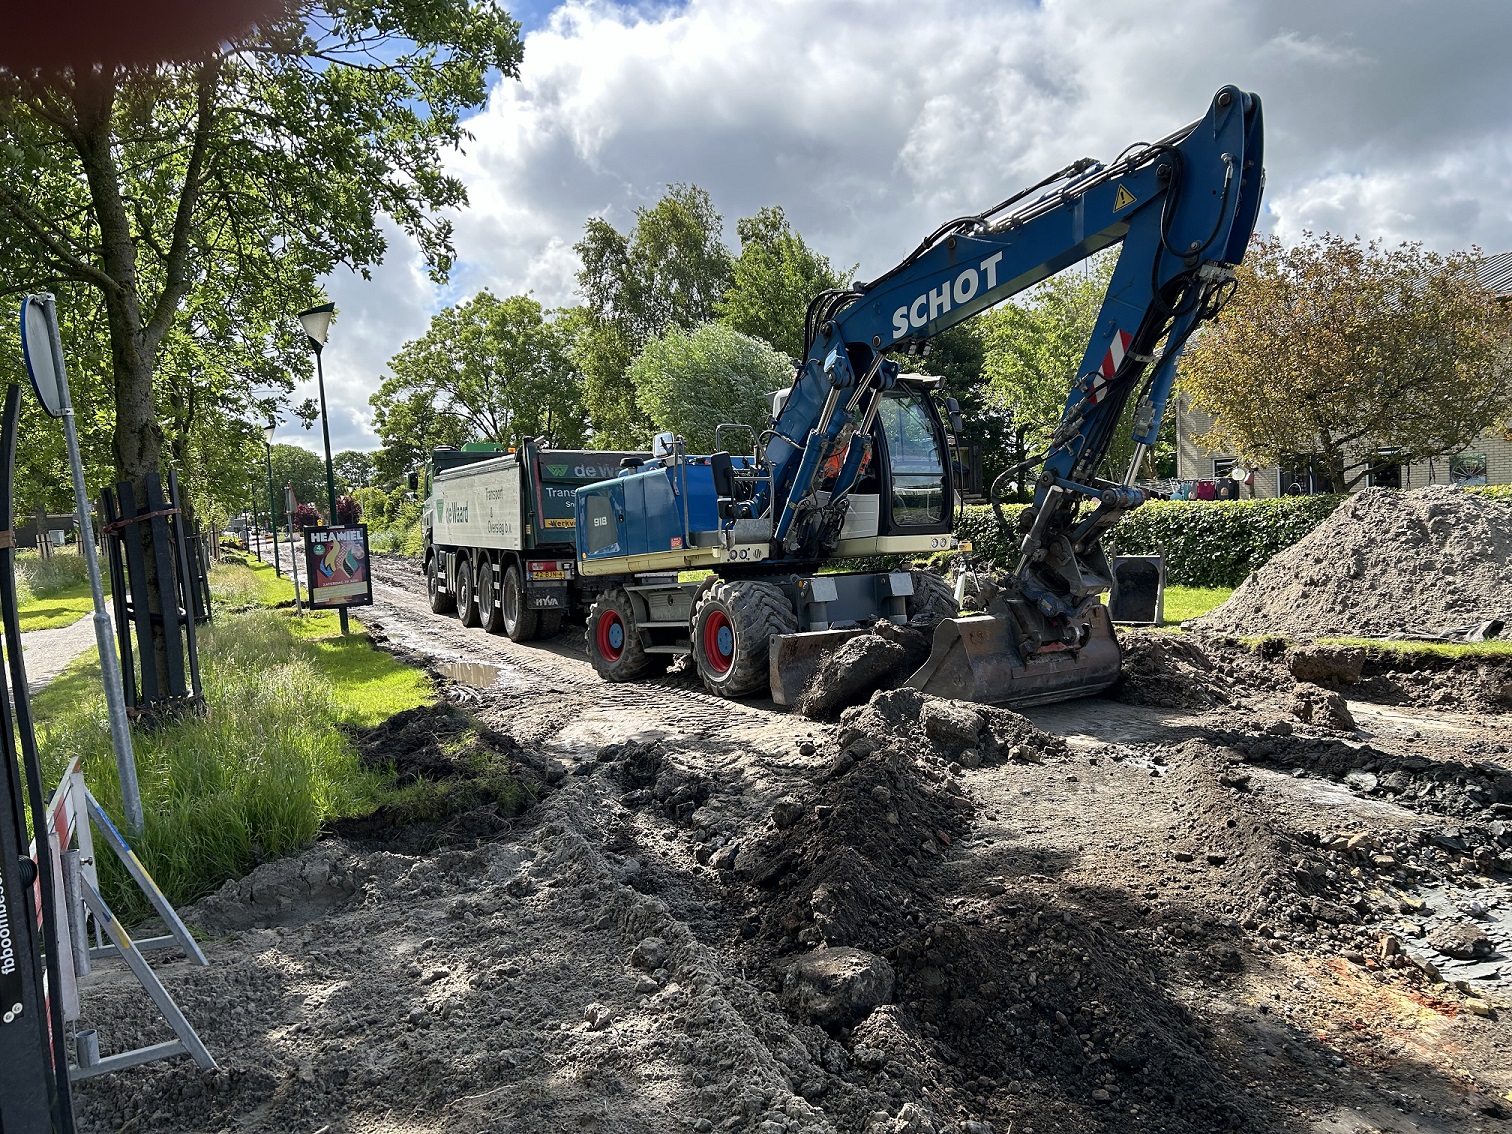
(872, 121)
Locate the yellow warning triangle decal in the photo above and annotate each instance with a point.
(1123, 198)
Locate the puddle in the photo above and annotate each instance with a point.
(480, 675)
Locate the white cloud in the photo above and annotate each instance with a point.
(871, 121)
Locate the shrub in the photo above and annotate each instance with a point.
(348, 511)
(305, 516)
(1206, 544)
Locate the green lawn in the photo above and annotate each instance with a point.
(263, 767)
(1446, 649)
(1182, 603)
(53, 592)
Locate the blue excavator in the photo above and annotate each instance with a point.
(857, 461)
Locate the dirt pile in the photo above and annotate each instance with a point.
(1385, 562)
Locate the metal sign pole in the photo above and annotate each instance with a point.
(52, 389)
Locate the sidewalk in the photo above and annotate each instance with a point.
(48, 652)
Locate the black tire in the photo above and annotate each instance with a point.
(733, 623)
(467, 597)
(551, 624)
(618, 656)
(441, 602)
(933, 598)
(520, 622)
(489, 610)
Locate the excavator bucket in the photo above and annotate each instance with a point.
(978, 659)
(795, 658)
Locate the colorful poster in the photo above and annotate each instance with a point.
(337, 562)
(1468, 469)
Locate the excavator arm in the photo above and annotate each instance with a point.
(1184, 209)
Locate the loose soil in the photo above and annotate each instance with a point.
(1179, 908)
(1384, 563)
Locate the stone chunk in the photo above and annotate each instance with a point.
(850, 673)
(1461, 940)
(1314, 705)
(836, 987)
(650, 954)
(951, 724)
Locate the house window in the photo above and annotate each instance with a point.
(1387, 472)
(1224, 467)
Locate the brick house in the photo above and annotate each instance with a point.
(1487, 461)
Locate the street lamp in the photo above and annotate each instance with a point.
(316, 323)
(272, 503)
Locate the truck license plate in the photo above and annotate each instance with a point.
(538, 574)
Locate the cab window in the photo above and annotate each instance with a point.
(914, 459)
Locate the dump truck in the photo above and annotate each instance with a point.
(499, 534)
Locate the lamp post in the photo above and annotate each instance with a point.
(272, 502)
(317, 323)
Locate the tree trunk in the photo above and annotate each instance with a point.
(137, 442)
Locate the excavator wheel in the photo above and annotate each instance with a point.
(733, 623)
(614, 645)
(933, 598)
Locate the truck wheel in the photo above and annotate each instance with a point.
(933, 598)
(520, 622)
(551, 624)
(467, 598)
(441, 602)
(732, 627)
(614, 645)
(488, 598)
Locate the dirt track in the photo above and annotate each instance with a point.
(1157, 924)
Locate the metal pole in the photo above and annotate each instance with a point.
(325, 428)
(110, 665)
(272, 510)
(294, 565)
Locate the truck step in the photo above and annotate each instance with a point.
(683, 622)
(675, 651)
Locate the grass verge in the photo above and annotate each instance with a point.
(53, 592)
(1182, 603)
(257, 774)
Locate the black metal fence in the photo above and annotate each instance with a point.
(146, 538)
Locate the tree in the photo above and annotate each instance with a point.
(497, 366)
(410, 428)
(669, 270)
(773, 280)
(267, 161)
(1341, 349)
(354, 469)
(297, 466)
(1033, 349)
(690, 382)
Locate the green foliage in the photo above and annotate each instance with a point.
(1206, 544)
(690, 382)
(354, 470)
(773, 279)
(669, 270)
(258, 773)
(1493, 492)
(488, 369)
(1341, 348)
(197, 203)
(296, 465)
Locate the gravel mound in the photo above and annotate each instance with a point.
(1384, 562)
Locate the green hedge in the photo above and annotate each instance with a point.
(1206, 543)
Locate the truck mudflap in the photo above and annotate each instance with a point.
(794, 659)
(978, 659)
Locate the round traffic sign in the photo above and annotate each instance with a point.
(38, 326)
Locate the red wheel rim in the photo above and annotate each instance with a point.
(719, 641)
(610, 635)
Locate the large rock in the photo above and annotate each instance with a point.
(850, 673)
(1462, 940)
(836, 987)
(1326, 665)
(951, 724)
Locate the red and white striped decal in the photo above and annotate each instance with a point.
(1110, 363)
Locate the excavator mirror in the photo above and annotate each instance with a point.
(953, 409)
